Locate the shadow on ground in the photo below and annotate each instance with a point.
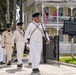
(28, 66)
(14, 70)
(5, 66)
(35, 73)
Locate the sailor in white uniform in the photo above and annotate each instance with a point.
(35, 33)
(7, 42)
(18, 37)
(1, 51)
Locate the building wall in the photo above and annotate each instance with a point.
(65, 38)
(31, 9)
(65, 11)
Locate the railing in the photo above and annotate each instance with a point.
(56, 20)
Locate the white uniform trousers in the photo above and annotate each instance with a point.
(1, 53)
(20, 50)
(30, 57)
(36, 49)
(9, 52)
(4, 55)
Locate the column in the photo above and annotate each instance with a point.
(57, 14)
(42, 11)
(72, 38)
(57, 19)
(71, 10)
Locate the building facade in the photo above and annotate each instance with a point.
(54, 12)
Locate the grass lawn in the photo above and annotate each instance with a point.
(68, 59)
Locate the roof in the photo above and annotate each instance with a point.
(38, 1)
(30, 2)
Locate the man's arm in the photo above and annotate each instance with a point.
(47, 36)
(3, 37)
(27, 32)
(13, 38)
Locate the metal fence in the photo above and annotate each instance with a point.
(51, 51)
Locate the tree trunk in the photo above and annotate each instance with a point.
(8, 11)
(21, 8)
(14, 14)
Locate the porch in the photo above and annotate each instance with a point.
(56, 13)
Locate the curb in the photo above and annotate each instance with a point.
(60, 63)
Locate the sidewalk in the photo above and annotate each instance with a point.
(45, 69)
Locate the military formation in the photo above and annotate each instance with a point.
(32, 36)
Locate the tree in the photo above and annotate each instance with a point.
(14, 14)
(8, 12)
(2, 13)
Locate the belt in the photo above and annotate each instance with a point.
(7, 43)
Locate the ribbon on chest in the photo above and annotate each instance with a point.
(22, 32)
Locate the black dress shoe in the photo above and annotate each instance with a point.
(15, 60)
(38, 70)
(19, 65)
(1, 63)
(9, 63)
(29, 63)
(35, 70)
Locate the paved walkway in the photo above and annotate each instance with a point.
(45, 69)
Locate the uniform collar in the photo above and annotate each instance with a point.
(19, 29)
(7, 31)
(36, 23)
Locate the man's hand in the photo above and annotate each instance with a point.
(3, 46)
(48, 41)
(13, 47)
(27, 48)
(28, 42)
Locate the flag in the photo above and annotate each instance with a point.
(45, 18)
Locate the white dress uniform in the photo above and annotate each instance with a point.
(1, 51)
(7, 43)
(4, 55)
(35, 42)
(20, 43)
(30, 57)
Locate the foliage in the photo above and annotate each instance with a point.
(68, 60)
(2, 11)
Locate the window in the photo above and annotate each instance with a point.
(26, 18)
(46, 9)
(60, 12)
